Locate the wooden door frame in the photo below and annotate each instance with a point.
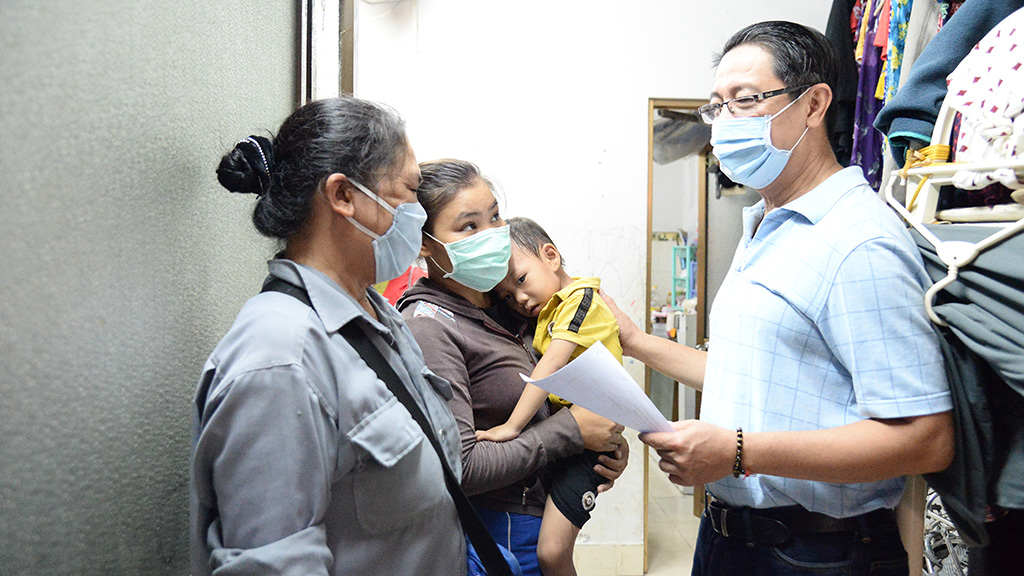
(653, 105)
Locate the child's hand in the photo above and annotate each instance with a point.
(502, 433)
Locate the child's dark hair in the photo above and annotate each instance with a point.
(529, 235)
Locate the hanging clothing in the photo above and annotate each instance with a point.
(881, 35)
(965, 193)
(881, 41)
(924, 24)
(948, 8)
(922, 27)
(984, 354)
(911, 114)
(856, 13)
(899, 24)
(861, 34)
(844, 93)
(394, 289)
(987, 89)
(867, 142)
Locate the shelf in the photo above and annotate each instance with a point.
(683, 275)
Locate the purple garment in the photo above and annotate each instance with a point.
(867, 142)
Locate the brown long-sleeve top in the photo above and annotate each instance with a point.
(483, 360)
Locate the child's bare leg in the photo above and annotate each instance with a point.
(556, 542)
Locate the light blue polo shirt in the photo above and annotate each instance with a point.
(820, 323)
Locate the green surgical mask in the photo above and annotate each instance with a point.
(479, 261)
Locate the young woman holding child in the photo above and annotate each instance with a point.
(481, 347)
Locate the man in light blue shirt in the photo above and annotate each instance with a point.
(823, 384)
(838, 337)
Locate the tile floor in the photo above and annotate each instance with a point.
(672, 527)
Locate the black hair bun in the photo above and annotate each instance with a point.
(246, 168)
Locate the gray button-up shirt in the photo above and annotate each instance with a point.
(304, 462)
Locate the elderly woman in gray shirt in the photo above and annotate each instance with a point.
(304, 462)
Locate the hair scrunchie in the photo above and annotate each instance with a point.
(246, 169)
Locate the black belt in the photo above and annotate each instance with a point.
(773, 526)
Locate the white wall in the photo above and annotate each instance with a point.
(550, 99)
(675, 196)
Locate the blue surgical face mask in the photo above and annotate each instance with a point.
(479, 261)
(745, 151)
(397, 249)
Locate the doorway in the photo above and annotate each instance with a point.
(693, 228)
(675, 301)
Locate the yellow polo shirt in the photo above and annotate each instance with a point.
(576, 313)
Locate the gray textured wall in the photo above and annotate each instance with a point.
(122, 261)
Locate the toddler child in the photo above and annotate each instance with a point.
(570, 317)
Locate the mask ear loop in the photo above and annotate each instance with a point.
(786, 107)
(798, 141)
(773, 116)
(376, 199)
(431, 258)
(363, 229)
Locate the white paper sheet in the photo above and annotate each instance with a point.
(597, 381)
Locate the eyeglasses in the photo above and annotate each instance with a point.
(744, 104)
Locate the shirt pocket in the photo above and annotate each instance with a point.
(447, 431)
(401, 480)
(443, 387)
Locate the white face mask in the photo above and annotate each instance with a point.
(745, 151)
(397, 249)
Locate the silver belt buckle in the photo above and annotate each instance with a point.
(719, 513)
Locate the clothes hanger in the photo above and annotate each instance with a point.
(953, 253)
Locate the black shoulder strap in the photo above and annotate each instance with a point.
(278, 285)
(493, 560)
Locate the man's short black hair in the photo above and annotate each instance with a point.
(800, 55)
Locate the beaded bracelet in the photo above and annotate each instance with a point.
(737, 469)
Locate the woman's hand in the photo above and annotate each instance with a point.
(629, 333)
(611, 468)
(599, 433)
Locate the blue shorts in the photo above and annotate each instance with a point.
(518, 533)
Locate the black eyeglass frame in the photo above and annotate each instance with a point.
(709, 112)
